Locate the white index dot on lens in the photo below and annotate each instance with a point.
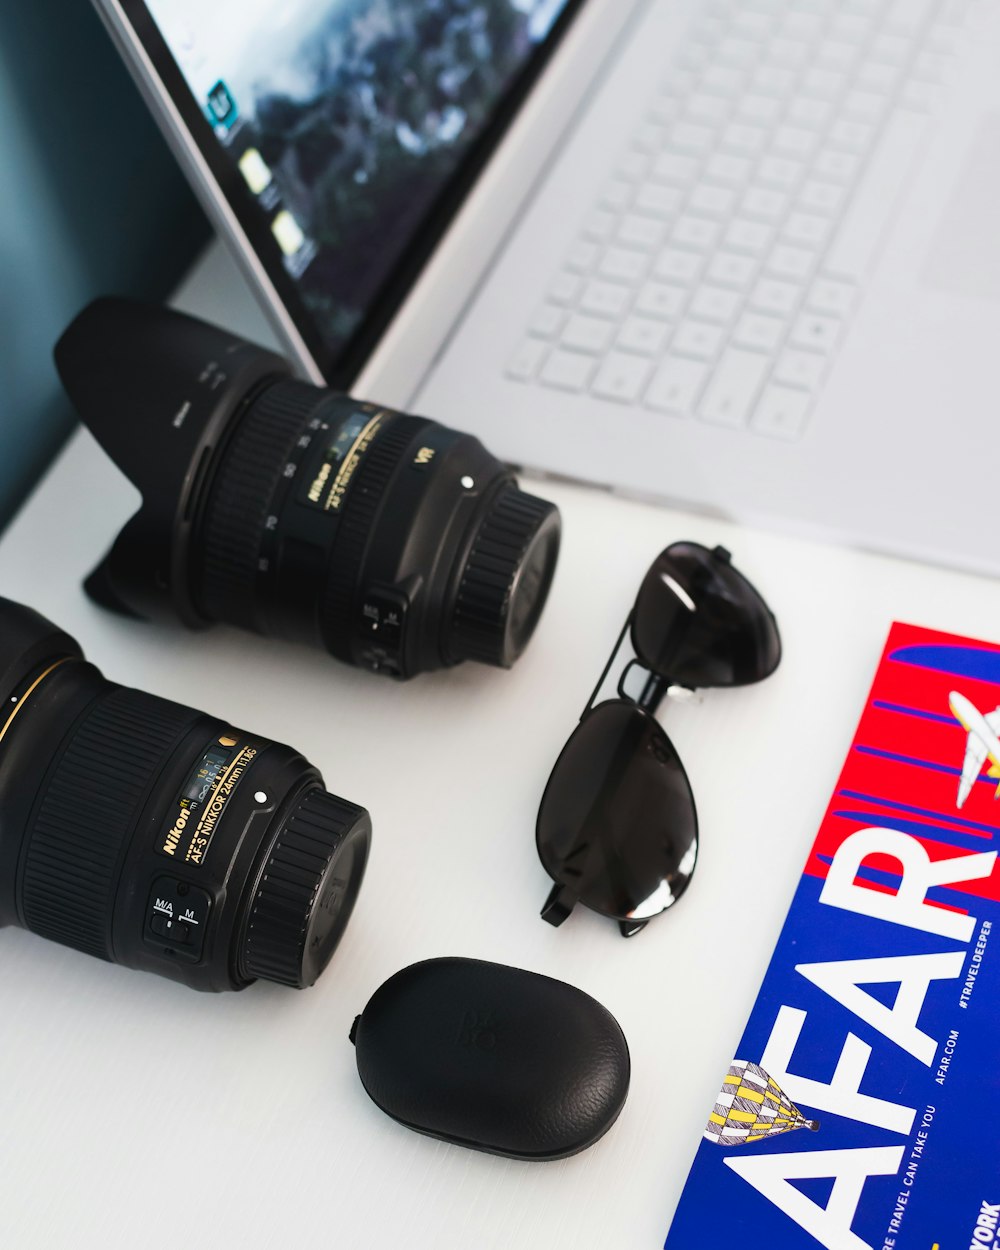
(468, 482)
(260, 796)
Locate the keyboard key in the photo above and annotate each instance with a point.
(642, 232)
(712, 201)
(695, 338)
(764, 202)
(713, 303)
(836, 55)
(834, 298)
(906, 17)
(707, 108)
(660, 299)
(658, 201)
(634, 166)
(605, 299)
(641, 335)
(877, 76)
(850, 28)
(894, 49)
(722, 167)
(815, 332)
(809, 112)
(587, 334)
(564, 288)
(770, 295)
(850, 136)
(678, 266)
(806, 229)
(722, 80)
(763, 109)
(736, 52)
(779, 171)
(735, 382)
(568, 371)
(617, 194)
(837, 166)
(920, 97)
(547, 321)
(527, 357)
(581, 257)
(729, 269)
(696, 232)
(743, 139)
(863, 106)
(790, 262)
(788, 53)
(623, 265)
(781, 412)
(770, 79)
(690, 137)
(670, 167)
(621, 377)
(748, 236)
(600, 226)
(827, 84)
(824, 197)
(676, 386)
(649, 138)
(803, 369)
(758, 332)
(794, 141)
(802, 26)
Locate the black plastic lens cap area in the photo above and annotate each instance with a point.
(494, 1058)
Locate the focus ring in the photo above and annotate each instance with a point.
(479, 624)
(91, 806)
(357, 525)
(241, 495)
(297, 865)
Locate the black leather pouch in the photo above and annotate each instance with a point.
(493, 1057)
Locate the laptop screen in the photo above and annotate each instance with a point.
(340, 123)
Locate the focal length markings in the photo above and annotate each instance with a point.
(204, 799)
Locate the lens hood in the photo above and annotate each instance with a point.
(157, 390)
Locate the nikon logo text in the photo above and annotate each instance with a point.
(174, 836)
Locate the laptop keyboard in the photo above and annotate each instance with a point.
(718, 273)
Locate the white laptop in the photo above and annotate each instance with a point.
(739, 255)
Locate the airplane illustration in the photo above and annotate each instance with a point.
(984, 742)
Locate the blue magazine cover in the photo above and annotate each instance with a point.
(862, 1107)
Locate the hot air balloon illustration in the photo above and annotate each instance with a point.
(751, 1107)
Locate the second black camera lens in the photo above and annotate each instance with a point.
(396, 543)
(152, 835)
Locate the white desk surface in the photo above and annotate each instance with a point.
(138, 1113)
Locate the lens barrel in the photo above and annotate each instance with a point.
(391, 541)
(149, 834)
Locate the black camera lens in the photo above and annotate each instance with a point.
(394, 542)
(152, 835)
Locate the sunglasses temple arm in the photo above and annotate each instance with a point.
(607, 668)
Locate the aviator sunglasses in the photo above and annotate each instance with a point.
(617, 826)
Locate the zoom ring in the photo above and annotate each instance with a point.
(479, 623)
(368, 493)
(296, 868)
(241, 496)
(77, 840)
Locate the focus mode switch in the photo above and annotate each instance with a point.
(177, 916)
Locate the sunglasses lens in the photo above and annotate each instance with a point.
(700, 622)
(617, 823)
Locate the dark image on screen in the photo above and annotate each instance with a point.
(348, 126)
